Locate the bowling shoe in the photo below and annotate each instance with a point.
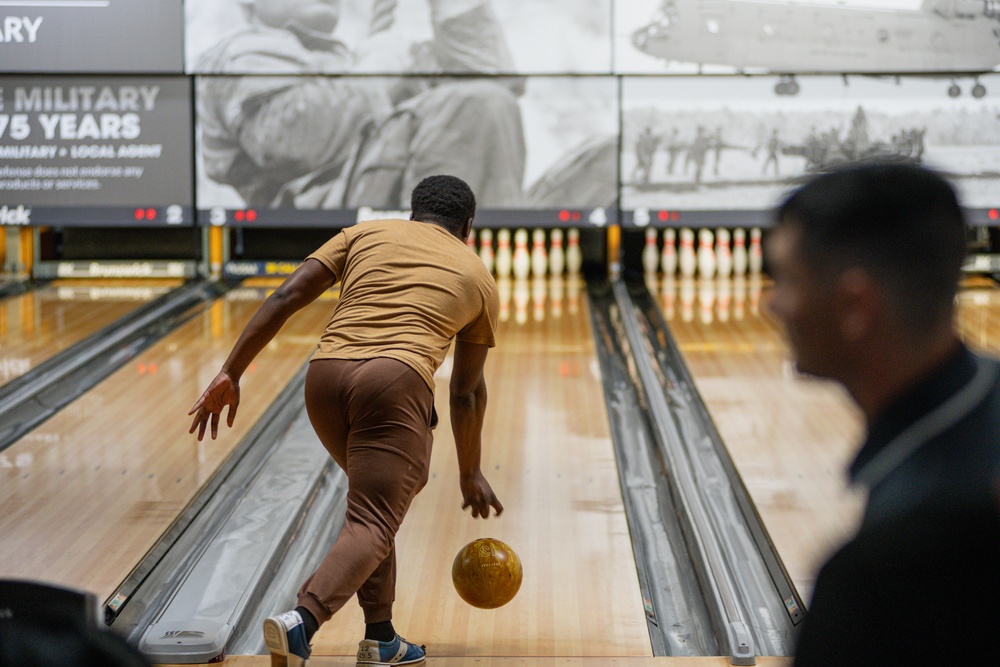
(397, 652)
(285, 638)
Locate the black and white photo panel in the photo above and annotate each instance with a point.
(87, 151)
(289, 150)
(731, 143)
(397, 37)
(807, 36)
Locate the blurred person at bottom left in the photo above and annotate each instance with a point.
(35, 644)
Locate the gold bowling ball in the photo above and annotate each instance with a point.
(486, 573)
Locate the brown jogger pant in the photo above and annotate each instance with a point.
(374, 416)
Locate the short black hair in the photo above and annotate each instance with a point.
(900, 222)
(446, 200)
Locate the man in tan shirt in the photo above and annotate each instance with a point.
(408, 288)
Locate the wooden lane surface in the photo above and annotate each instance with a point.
(979, 315)
(548, 454)
(38, 324)
(791, 438)
(530, 661)
(87, 493)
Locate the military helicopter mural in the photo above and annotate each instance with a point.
(952, 39)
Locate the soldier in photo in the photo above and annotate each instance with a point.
(718, 145)
(674, 148)
(645, 149)
(773, 145)
(696, 154)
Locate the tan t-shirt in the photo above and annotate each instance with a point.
(408, 288)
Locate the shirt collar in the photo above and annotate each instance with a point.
(927, 394)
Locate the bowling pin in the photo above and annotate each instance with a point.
(574, 256)
(573, 294)
(504, 293)
(668, 295)
(556, 293)
(739, 251)
(557, 256)
(686, 257)
(486, 249)
(522, 295)
(756, 287)
(706, 299)
(538, 293)
(739, 296)
(723, 254)
(522, 258)
(652, 282)
(650, 253)
(668, 256)
(706, 254)
(755, 254)
(539, 258)
(723, 295)
(687, 292)
(504, 260)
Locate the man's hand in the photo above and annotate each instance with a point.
(221, 392)
(478, 495)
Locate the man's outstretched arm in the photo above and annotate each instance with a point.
(468, 407)
(301, 288)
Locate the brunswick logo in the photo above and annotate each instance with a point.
(15, 216)
(242, 268)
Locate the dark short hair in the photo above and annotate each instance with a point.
(446, 200)
(899, 222)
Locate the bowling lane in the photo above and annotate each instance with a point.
(790, 438)
(40, 323)
(547, 452)
(87, 493)
(660, 661)
(979, 315)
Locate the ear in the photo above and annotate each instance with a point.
(860, 304)
(466, 229)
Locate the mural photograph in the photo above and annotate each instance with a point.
(279, 126)
(699, 37)
(272, 142)
(731, 143)
(399, 36)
